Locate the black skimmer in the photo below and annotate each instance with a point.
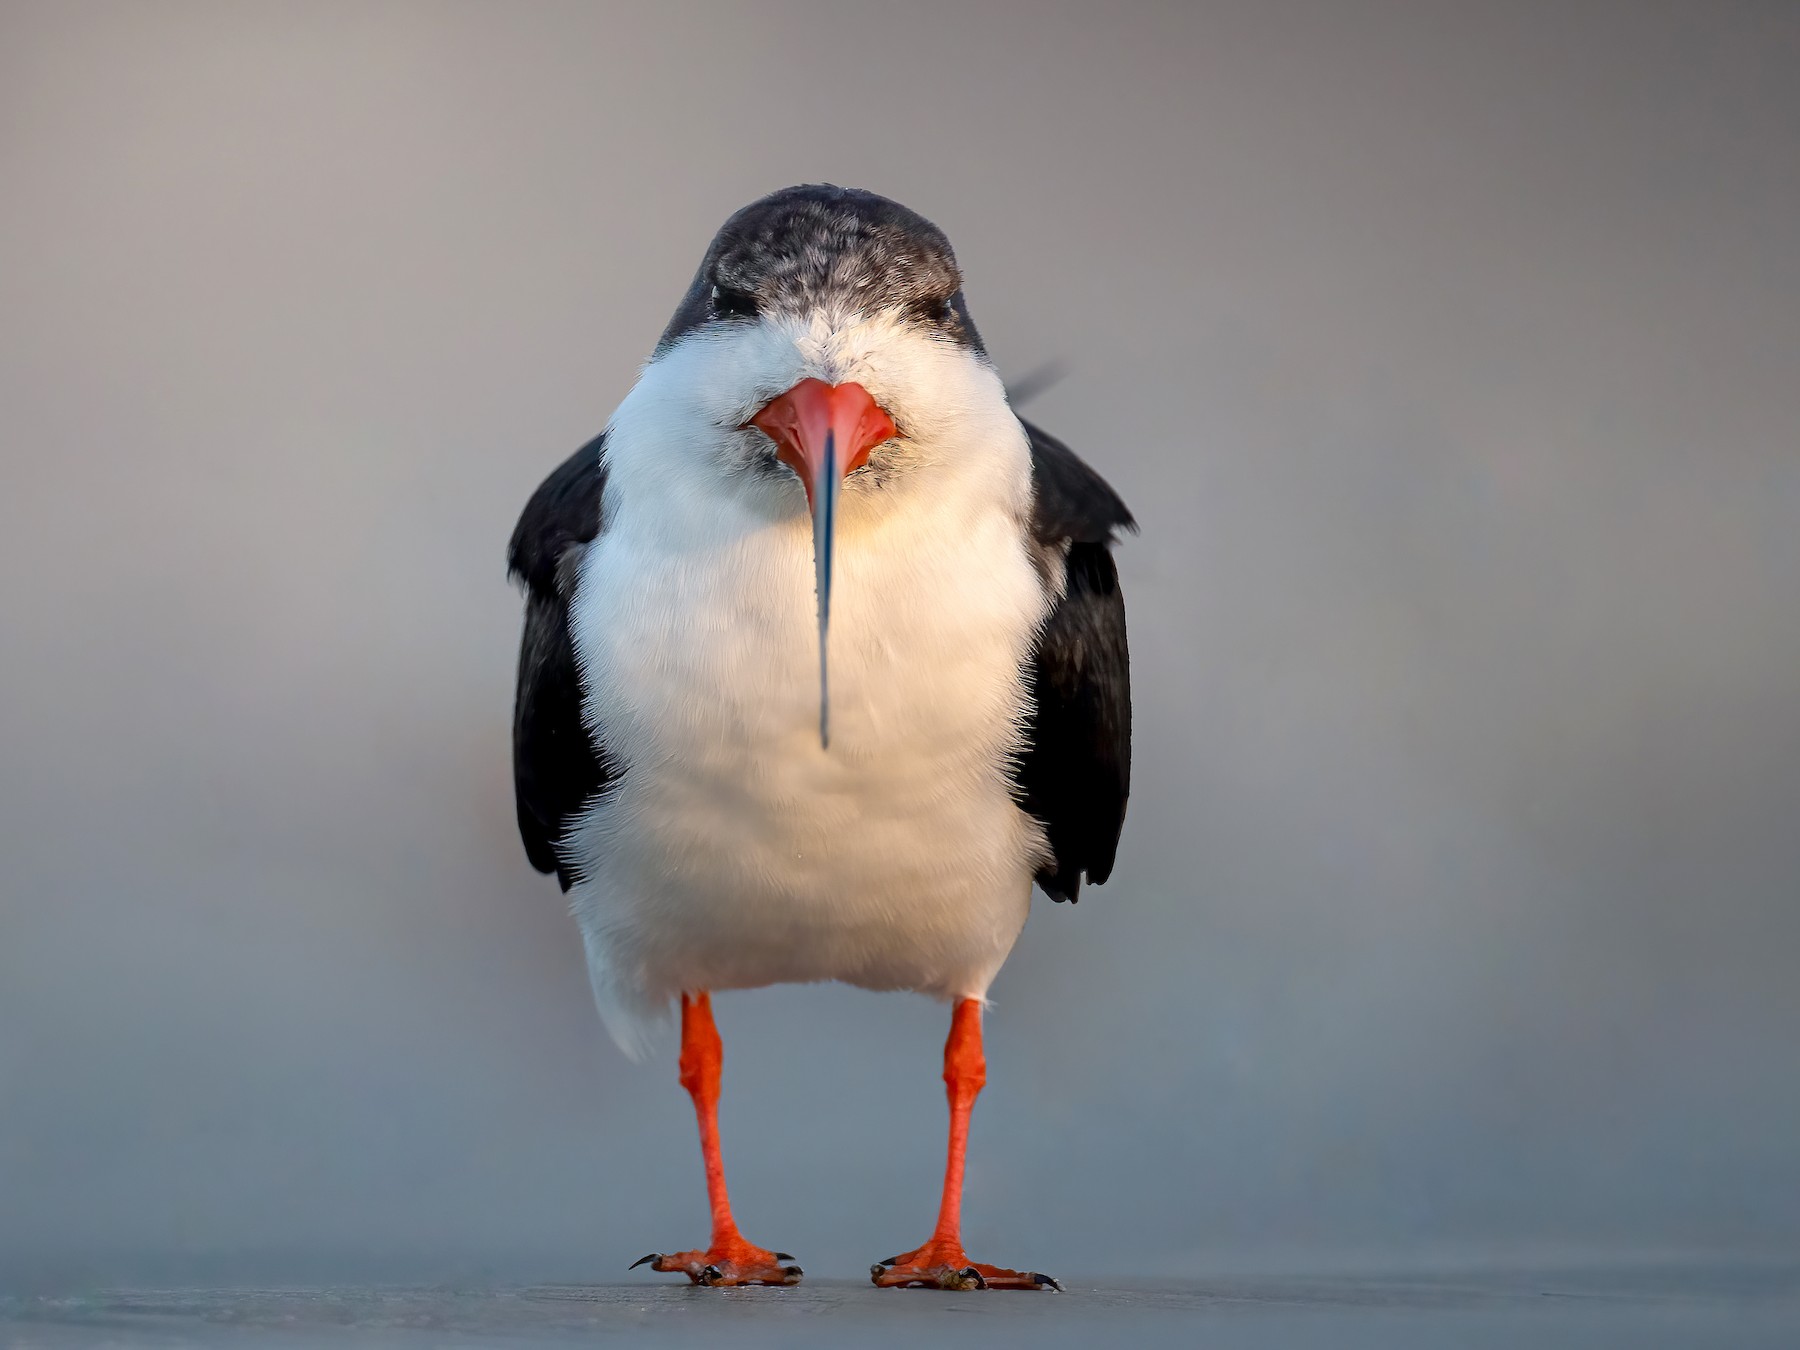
(824, 663)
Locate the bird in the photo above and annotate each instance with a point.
(823, 665)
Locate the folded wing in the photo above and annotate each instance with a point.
(1075, 773)
(556, 769)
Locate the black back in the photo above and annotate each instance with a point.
(1074, 775)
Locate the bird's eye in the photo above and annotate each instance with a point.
(730, 304)
(940, 310)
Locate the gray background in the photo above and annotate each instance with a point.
(1450, 357)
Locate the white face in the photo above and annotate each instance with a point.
(683, 428)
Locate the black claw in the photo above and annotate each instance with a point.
(876, 1272)
(892, 1261)
(793, 1272)
(711, 1274)
(644, 1260)
(784, 1256)
(970, 1273)
(1044, 1280)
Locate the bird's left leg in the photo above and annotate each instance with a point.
(731, 1259)
(941, 1263)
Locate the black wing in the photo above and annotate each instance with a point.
(556, 769)
(1075, 773)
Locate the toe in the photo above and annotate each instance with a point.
(689, 1264)
(998, 1277)
(750, 1272)
(926, 1277)
(726, 1267)
(956, 1272)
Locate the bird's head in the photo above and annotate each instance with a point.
(823, 355)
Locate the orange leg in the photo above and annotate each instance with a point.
(941, 1263)
(731, 1259)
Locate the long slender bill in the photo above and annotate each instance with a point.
(824, 516)
(823, 432)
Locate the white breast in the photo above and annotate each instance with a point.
(734, 851)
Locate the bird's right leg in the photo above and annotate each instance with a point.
(731, 1259)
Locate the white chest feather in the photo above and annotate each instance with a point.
(734, 850)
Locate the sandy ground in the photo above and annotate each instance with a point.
(1718, 1308)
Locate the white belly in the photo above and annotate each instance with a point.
(734, 851)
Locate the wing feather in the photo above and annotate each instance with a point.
(556, 769)
(1075, 773)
